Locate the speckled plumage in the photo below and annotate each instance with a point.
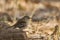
(22, 23)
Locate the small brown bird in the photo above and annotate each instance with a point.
(22, 23)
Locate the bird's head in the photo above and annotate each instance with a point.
(26, 18)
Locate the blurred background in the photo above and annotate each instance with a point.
(32, 8)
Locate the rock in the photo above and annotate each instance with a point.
(45, 14)
(5, 17)
(12, 34)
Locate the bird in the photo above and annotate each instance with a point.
(21, 23)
